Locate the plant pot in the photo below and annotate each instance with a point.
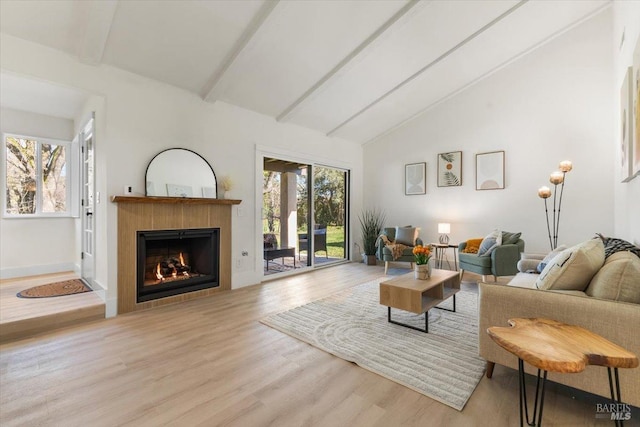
(422, 271)
(369, 259)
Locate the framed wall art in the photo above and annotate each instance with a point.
(450, 169)
(626, 127)
(415, 179)
(490, 170)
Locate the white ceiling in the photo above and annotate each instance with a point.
(40, 97)
(353, 69)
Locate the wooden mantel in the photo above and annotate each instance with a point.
(137, 213)
(174, 200)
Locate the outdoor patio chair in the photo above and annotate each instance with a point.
(320, 240)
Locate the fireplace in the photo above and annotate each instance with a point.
(172, 262)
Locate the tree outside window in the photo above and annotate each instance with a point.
(37, 179)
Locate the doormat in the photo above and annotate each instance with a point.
(57, 289)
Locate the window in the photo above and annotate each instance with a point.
(37, 176)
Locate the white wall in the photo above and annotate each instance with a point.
(142, 117)
(36, 245)
(551, 105)
(626, 18)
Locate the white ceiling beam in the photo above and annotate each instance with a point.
(94, 27)
(368, 43)
(219, 80)
(486, 75)
(426, 67)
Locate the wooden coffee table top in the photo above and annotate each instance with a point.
(408, 281)
(557, 347)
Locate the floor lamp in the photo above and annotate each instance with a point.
(556, 178)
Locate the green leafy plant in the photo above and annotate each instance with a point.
(371, 221)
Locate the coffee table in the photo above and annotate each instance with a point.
(419, 296)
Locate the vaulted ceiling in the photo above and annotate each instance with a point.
(353, 69)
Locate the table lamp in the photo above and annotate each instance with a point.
(444, 229)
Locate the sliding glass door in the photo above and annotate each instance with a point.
(330, 214)
(305, 215)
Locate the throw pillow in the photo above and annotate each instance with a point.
(551, 255)
(573, 268)
(613, 245)
(510, 238)
(618, 279)
(472, 246)
(490, 242)
(406, 235)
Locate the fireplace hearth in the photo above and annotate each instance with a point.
(173, 262)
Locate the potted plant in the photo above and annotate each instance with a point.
(371, 221)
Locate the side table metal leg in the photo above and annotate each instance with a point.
(538, 399)
(615, 394)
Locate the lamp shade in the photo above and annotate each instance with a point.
(444, 228)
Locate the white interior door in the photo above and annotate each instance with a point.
(87, 142)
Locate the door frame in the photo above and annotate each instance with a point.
(87, 204)
(313, 161)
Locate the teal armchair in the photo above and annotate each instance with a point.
(384, 254)
(503, 260)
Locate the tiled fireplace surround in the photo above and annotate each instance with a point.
(167, 213)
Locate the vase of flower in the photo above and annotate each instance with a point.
(422, 255)
(422, 271)
(226, 184)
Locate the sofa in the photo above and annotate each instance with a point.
(603, 296)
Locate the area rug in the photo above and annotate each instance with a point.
(443, 364)
(66, 287)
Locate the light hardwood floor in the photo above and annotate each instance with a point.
(23, 317)
(209, 362)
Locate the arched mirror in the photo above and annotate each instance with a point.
(178, 172)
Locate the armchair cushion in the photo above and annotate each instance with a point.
(510, 238)
(406, 235)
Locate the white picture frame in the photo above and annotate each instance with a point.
(177, 190)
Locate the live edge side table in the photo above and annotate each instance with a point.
(554, 346)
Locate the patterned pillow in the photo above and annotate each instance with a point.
(613, 245)
(573, 268)
(551, 255)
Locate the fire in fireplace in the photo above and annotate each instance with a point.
(172, 262)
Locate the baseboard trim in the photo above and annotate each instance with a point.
(35, 270)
